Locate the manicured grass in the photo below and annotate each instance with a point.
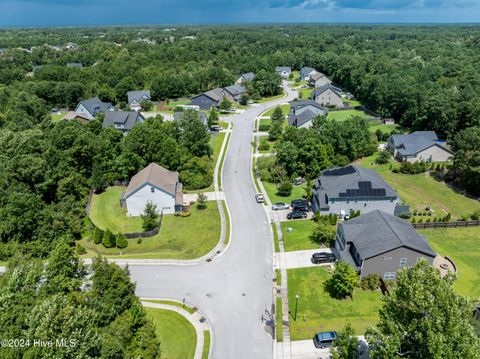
(278, 319)
(271, 145)
(462, 246)
(227, 223)
(299, 83)
(56, 118)
(345, 114)
(223, 124)
(264, 124)
(171, 302)
(179, 238)
(421, 191)
(219, 174)
(176, 103)
(352, 103)
(317, 311)
(266, 99)
(177, 336)
(305, 94)
(285, 110)
(299, 237)
(275, 238)
(373, 126)
(271, 188)
(206, 344)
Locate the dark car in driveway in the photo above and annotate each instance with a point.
(296, 215)
(300, 205)
(323, 257)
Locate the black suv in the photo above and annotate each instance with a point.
(296, 215)
(300, 205)
(323, 257)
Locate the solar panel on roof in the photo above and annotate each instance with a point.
(364, 184)
(340, 171)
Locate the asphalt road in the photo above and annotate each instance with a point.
(234, 290)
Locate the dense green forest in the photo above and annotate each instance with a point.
(426, 77)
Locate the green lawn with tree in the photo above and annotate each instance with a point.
(176, 334)
(373, 126)
(462, 246)
(298, 238)
(179, 237)
(285, 110)
(305, 93)
(345, 114)
(272, 189)
(58, 117)
(317, 311)
(422, 190)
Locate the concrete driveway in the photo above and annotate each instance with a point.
(235, 290)
(303, 349)
(299, 259)
(211, 196)
(281, 215)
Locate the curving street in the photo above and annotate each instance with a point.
(234, 290)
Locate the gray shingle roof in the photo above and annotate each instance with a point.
(351, 182)
(75, 64)
(301, 119)
(201, 115)
(138, 95)
(378, 232)
(304, 71)
(318, 91)
(94, 105)
(216, 94)
(235, 90)
(302, 103)
(122, 119)
(248, 76)
(283, 68)
(411, 144)
(318, 76)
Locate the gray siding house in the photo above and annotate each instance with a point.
(419, 146)
(380, 243)
(328, 95)
(283, 71)
(352, 188)
(92, 107)
(319, 80)
(122, 120)
(235, 91)
(136, 97)
(209, 99)
(303, 112)
(306, 73)
(245, 77)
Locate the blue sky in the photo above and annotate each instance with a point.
(109, 12)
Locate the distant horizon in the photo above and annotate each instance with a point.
(88, 13)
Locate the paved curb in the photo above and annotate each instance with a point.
(197, 319)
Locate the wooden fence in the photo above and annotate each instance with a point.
(456, 224)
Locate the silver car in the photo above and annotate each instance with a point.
(259, 198)
(280, 206)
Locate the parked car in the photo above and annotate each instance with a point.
(259, 197)
(298, 181)
(215, 128)
(323, 257)
(299, 201)
(296, 215)
(324, 339)
(301, 207)
(280, 205)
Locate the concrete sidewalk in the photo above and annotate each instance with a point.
(302, 349)
(299, 259)
(197, 320)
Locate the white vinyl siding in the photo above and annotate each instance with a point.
(137, 201)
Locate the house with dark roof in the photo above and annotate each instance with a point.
(303, 112)
(235, 91)
(92, 107)
(283, 71)
(209, 99)
(306, 73)
(381, 243)
(136, 97)
(153, 184)
(72, 115)
(245, 77)
(328, 95)
(419, 146)
(201, 116)
(319, 80)
(122, 120)
(352, 188)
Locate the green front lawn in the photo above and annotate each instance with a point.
(305, 94)
(373, 126)
(179, 238)
(285, 110)
(176, 103)
(56, 118)
(421, 191)
(299, 237)
(462, 246)
(352, 103)
(271, 188)
(345, 114)
(176, 334)
(317, 311)
(271, 98)
(175, 304)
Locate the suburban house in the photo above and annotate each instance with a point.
(77, 65)
(72, 115)
(92, 107)
(419, 146)
(122, 120)
(209, 99)
(201, 115)
(352, 188)
(235, 91)
(319, 80)
(306, 73)
(380, 243)
(303, 112)
(245, 77)
(153, 184)
(136, 97)
(328, 95)
(283, 71)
